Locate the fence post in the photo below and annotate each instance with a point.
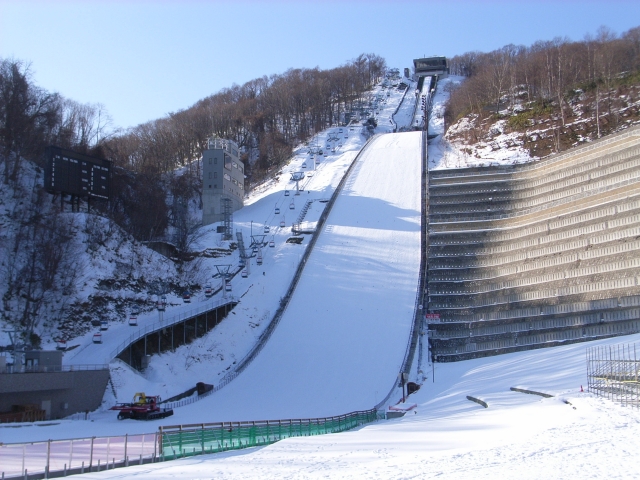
(107, 459)
(91, 454)
(610, 372)
(70, 454)
(586, 354)
(635, 365)
(126, 441)
(46, 468)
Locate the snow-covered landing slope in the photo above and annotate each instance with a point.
(342, 339)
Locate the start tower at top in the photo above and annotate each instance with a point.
(429, 66)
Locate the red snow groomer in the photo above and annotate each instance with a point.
(142, 408)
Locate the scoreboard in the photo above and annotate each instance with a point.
(77, 174)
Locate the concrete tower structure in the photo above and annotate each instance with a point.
(223, 180)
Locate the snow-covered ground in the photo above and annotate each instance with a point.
(340, 344)
(210, 358)
(572, 435)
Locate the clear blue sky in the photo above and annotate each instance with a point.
(143, 59)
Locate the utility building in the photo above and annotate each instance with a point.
(222, 182)
(430, 66)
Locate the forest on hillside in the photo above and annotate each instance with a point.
(156, 182)
(554, 82)
(266, 117)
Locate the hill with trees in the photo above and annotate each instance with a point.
(156, 186)
(552, 95)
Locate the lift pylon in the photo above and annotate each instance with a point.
(296, 177)
(223, 272)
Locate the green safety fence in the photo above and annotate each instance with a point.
(187, 440)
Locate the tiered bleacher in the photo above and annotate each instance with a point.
(535, 255)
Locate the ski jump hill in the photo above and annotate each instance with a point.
(341, 341)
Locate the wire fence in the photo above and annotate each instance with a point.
(613, 372)
(58, 458)
(189, 440)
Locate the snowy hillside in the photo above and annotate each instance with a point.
(341, 341)
(210, 358)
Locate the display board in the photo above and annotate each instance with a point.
(77, 174)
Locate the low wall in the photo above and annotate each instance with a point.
(58, 393)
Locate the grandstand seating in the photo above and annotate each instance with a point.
(535, 255)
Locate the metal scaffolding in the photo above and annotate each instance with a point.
(613, 372)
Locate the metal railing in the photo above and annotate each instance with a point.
(56, 458)
(189, 440)
(613, 372)
(54, 368)
(181, 317)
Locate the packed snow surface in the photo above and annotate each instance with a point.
(573, 434)
(343, 336)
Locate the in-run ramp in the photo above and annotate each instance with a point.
(342, 338)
